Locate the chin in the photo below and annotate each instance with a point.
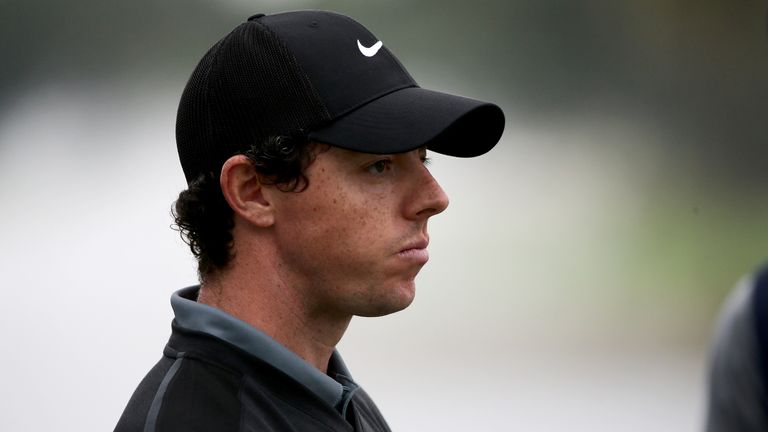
(395, 301)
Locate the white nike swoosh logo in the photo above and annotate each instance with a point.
(369, 52)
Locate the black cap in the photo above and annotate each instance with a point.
(324, 76)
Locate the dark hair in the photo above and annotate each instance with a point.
(205, 220)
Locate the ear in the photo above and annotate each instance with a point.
(244, 192)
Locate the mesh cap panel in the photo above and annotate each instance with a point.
(245, 89)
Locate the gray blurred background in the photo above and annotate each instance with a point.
(573, 283)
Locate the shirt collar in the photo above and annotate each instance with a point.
(202, 318)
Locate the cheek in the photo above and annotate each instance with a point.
(339, 225)
(354, 223)
(366, 214)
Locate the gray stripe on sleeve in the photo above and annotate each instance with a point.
(157, 402)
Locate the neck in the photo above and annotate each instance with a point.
(263, 299)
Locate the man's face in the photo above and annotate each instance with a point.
(355, 238)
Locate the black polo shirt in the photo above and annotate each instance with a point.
(218, 373)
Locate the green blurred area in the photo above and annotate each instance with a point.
(696, 68)
(682, 256)
(692, 74)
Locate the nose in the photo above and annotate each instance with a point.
(428, 197)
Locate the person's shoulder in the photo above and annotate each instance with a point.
(200, 396)
(184, 394)
(736, 319)
(737, 377)
(743, 318)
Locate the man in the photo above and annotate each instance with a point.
(738, 365)
(303, 141)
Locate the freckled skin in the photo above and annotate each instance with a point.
(339, 239)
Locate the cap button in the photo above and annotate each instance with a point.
(255, 17)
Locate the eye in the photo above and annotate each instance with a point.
(380, 166)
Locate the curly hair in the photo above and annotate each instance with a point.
(205, 220)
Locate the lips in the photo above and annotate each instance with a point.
(415, 251)
(416, 244)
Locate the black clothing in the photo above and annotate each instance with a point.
(738, 375)
(215, 375)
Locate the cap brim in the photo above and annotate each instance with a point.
(413, 117)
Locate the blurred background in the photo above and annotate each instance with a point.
(573, 282)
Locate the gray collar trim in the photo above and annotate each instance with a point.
(199, 317)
